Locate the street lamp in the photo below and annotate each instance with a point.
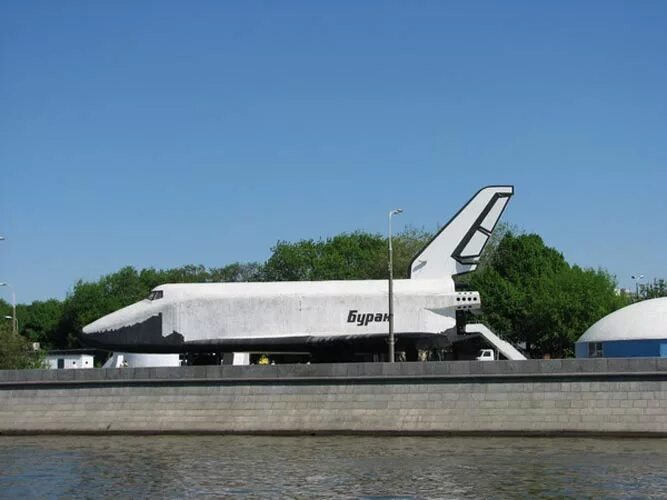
(391, 290)
(10, 317)
(637, 278)
(13, 307)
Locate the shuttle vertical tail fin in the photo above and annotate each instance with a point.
(457, 247)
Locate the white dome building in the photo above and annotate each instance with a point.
(638, 330)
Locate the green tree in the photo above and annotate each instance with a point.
(653, 290)
(237, 272)
(16, 352)
(353, 256)
(346, 256)
(531, 294)
(5, 312)
(39, 321)
(406, 245)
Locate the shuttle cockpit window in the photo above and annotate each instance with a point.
(155, 294)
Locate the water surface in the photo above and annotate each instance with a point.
(332, 466)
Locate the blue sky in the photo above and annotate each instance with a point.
(166, 133)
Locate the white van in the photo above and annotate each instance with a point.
(486, 355)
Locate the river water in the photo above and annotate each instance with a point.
(331, 466)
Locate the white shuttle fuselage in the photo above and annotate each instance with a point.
(307, 316)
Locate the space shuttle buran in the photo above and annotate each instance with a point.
(314, 316)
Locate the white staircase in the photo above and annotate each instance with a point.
(504, 347)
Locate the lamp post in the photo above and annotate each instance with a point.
(637, 278)
(391, 289)
(17, 321)
(13, 307)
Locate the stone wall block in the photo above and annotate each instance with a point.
(363, 397)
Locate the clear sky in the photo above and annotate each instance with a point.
(164, 133)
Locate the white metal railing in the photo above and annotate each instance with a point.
(503, 346)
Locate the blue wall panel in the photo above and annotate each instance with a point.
(663, 350)
(631, 348)
(624, 348)
(581, 349)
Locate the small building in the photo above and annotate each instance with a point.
(638, 330)
(71, 359)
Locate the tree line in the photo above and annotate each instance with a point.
(530, 294)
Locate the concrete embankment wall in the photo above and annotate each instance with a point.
(627, 396)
